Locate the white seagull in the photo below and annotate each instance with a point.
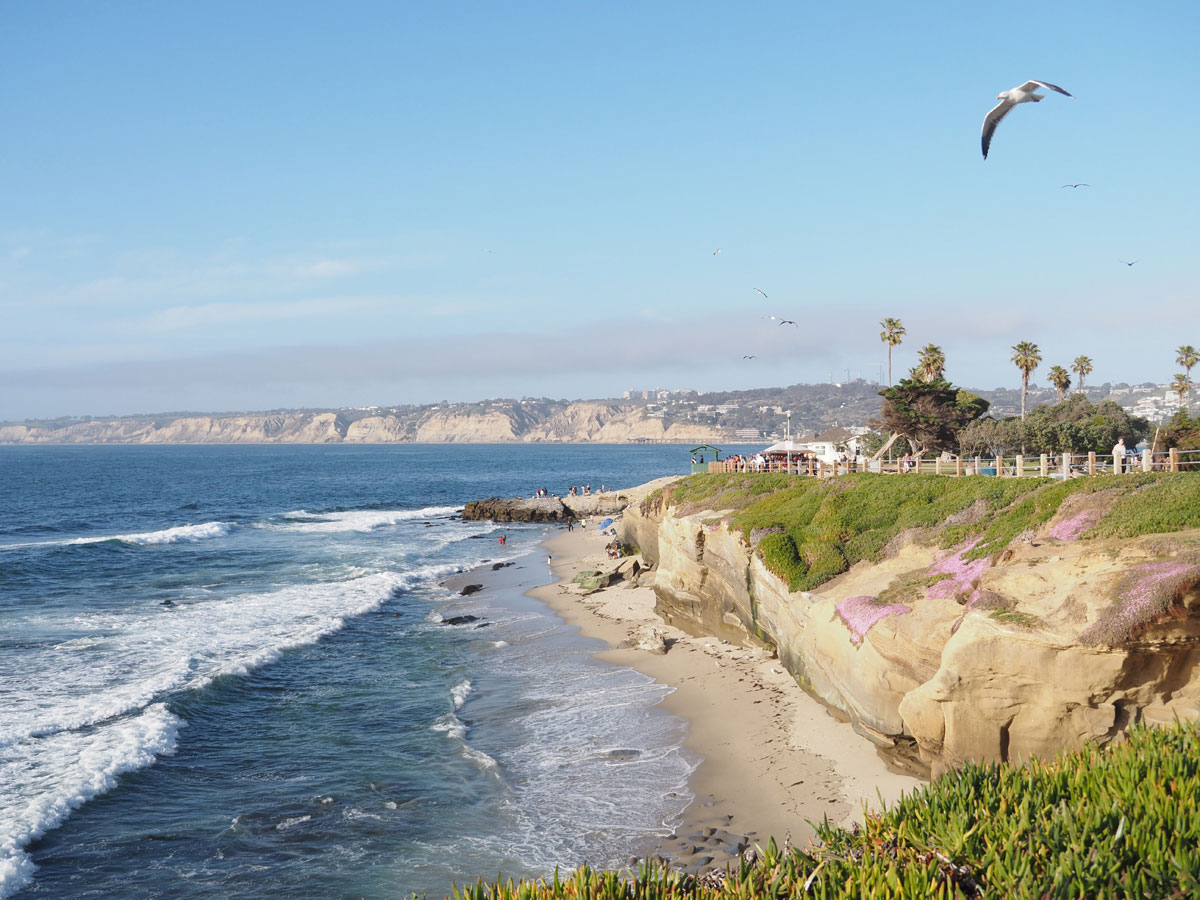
(1009, 99)
(764, 295)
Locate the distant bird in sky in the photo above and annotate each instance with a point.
(749, 357)
(715, 252)
(756, 289)
(1009, 99)
(786, 322)
(1079, 185)
(1131, 263)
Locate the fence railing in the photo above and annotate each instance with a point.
(1058, 465)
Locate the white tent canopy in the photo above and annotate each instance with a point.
(788, 447)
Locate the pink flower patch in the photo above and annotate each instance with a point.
(1071, 528)
(860, 613)
(962, 575)
(1145, 594)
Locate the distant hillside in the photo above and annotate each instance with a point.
(679, 417)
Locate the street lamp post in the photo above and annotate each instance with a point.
(788, 442)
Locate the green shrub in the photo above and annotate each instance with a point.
(1114, 822)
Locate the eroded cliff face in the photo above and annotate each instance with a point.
(577, 423)
(273, 428)
(1004, 661)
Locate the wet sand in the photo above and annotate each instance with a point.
(773, 759)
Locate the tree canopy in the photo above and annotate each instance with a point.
(929, 413)
(1076, 425)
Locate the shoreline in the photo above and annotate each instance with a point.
(772, 759)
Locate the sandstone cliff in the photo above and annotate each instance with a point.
(949, 659)
(572, 423)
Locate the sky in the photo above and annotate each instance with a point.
(247, 206)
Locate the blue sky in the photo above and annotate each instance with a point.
(228, 206)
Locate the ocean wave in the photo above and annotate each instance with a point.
(460, 692)
(360, 520)
(149, 655)
(171, 535)
(62, 773)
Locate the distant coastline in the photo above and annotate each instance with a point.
(583, 422)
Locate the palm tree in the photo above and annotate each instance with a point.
(1181, 385)
(931, 363)
(1082, 367)
(1026, 357)
(1187, 358)
(891, 335)
(1061, 379)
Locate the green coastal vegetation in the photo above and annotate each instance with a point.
(1116, 821)
(810, 530)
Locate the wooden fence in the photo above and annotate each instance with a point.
(1065, 465)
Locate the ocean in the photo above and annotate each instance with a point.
(226, 672)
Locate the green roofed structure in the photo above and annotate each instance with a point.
(699, 463)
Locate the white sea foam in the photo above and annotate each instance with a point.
(47, 778)
(459, 693)
(173, 535)
(360, 520)
(451, 725)
(187, 646)
(292, 822)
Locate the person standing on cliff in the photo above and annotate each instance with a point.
(1118, 454)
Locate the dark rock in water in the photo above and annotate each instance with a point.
(517, 509)
(167, 602)
(476, 537)
(484, 625)
(622, 754)
(498, 566)
(471, 589)
(460, 620)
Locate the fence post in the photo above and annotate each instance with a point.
(917, 466)
(999, 463)
(1044, 468)
(1091, 462)
(1066, 465)
(1020, 466)
(937, 465)
(958, 465)
(1173, 458)
(1146, 463)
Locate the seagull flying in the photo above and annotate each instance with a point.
(786, 322)
(715, 252)
(1009, 99)
(1079, 185)
(749, 357)
(756, 289)
(1130, 263)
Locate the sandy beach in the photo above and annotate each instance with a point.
(773, 758)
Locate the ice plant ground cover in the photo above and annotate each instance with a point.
(1144, 595)
(956, 577)
(815, 529)
(1070, 528)
(860, 613)
(1117, 821)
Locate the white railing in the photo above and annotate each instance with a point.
(1064, 465)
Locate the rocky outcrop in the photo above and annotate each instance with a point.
(559, 509)
(517, 509)
(959, 660)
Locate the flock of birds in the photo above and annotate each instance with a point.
(1009, 100)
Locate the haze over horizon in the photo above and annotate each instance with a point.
(291, 205)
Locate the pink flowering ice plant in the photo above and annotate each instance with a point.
(1145, 593)
(962, 576)
(1071, 528)
(860, 613)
